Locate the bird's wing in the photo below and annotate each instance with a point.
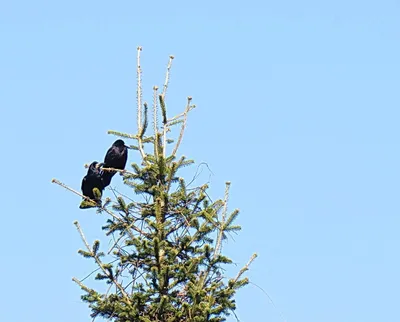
(110, 155)
(83, 183)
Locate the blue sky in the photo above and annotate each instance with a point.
(296, 106)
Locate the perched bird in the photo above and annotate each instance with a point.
(116, 158)
(92, 186)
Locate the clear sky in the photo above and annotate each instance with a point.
(296, 106)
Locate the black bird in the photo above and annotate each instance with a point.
(91, 181)
(116, 158)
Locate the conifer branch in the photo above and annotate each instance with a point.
(72, 190)
(139, 89)
(155, 121)
(245, 268)
(145, 122)
(139, 104)
(218, 244)
(124, 135)
(183, 126)
(86, 198)
(78, 227)
(118, 170)
(164, 92)
(86, 165)
(226, 197)
(96, 258)
(101, 207)
(165, 123)
(83, 286)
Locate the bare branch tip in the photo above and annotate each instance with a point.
(155, 87)
(171, 56)
(53, 180)
(189, 98)
(139, 48)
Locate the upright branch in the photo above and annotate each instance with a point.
(93, 253)
(164, 92)
(139, 89)
(187, 109)
(139, 105)
(245, 268)
(165, 123)
(155, 121)
(221, 231)
(162, 103)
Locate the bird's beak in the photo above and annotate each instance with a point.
(128, 147)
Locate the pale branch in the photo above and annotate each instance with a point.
(78, 227)
(155, 121)
(118, 170)
(218, 244)
(94, 271)
(245, 268)
(100, 264)
(165, 140)
(125, 135)
(84, 287)
(226, 197)
(86, 165)
(176, 117)
(87, 198)
(139, 89)
(183, 126)
(72, 190)
(164, 92)
(139, 103)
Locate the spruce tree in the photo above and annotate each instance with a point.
(165, 263)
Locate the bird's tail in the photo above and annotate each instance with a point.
(106, 177)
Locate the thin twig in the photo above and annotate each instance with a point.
(245, 268)
(100, 263)
(183, 126)
(197, 174)
(119, 238)
(87, 276)
(176, 117)
(270, 299)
